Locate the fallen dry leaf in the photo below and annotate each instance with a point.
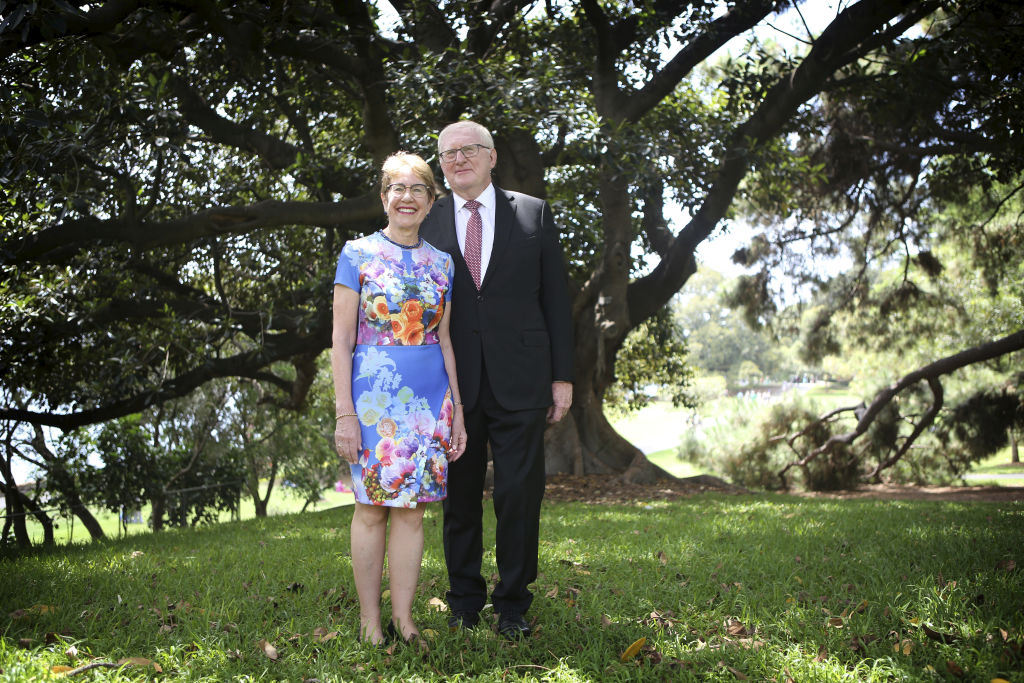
(735, 627)
(61, 669)
(268, 649)
(941, 637)
(955, 669)
(822, 654)
(1007, 565)
(322, 635)
(662, 557)
(437, 604)
(605, 621)
(140, 662)
(836, 622)
(633, 649)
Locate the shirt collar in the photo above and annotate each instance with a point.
(486, 198)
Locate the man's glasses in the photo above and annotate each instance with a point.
(469, 151)
(418, 191)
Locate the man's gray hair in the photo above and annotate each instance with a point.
(483, 133)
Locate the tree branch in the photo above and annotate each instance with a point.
(277, 153)
(67, 238)
(930, 373)
(836, 44)
(247, 364)
(742, 18)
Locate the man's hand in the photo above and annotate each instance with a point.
(561, 394)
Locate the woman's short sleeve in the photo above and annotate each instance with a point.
(347, 272)
(449, 269)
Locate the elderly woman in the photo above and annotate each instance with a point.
(399, 413)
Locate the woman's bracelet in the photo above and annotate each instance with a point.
(341, 415)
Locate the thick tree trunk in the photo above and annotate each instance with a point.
(584, 442)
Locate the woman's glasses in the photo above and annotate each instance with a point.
(418, 191)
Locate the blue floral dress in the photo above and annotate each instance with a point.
(399, 383)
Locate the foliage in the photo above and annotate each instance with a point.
(815, 589)
(721, 341)
(654, 356)
(756, 464)
(176, 179)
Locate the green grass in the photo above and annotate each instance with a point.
(999, 464)
(70, 530)
(768, 587)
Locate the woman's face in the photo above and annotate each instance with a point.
(406, 211)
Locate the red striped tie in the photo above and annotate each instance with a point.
(474, 236)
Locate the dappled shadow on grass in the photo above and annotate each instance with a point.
(759, 585)
(835, 584)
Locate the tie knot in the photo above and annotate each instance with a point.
(472, 205)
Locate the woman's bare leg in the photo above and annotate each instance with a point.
(369, 526)
(405, 555)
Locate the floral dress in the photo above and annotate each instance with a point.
(399, 383)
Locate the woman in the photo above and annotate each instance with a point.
(399, 413)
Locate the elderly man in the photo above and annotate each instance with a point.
(511, 329)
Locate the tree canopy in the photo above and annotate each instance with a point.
(178, 177)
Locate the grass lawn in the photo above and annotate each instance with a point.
(722, 588)
(70, 530)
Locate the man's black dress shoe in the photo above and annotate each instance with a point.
(463, 619)
(513, 626)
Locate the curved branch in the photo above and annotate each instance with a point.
(930, 373)
(277, 153)
(246, 364)
(926, 420)
(76, 23)
(65, 239)
(722, 30)
(837, 44)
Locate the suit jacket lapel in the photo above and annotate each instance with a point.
(444, 211)
(504, 219)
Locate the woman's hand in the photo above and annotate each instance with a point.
(458, 440)
(347, 438)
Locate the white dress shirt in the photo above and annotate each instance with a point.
(486, 210)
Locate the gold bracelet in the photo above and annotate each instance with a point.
(344, 415)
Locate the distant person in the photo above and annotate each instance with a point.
(399, 411)
(512, 332)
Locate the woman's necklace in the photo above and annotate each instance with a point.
(419, 241)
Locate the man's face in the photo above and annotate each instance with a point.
(467, 177)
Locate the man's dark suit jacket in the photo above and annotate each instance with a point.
(520, 322)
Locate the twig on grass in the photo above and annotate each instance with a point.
(91, 665)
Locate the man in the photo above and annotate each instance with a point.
(511, 328)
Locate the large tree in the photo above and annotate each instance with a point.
(178, 177)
